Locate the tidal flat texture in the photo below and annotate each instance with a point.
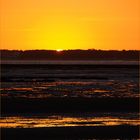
(69, 101)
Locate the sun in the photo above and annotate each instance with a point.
(59, 50)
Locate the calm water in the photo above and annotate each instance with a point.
(69, 62)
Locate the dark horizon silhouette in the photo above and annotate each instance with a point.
(78, 54)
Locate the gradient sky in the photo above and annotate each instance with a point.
(70, 24)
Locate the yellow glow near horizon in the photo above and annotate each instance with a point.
(60, 34)
(70, 24)
(59, 50)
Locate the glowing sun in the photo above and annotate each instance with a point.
(59, 50)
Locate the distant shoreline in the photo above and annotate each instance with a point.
(70, 55)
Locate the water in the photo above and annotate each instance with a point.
(70, 120)
(110, 88)
(92, 95)
(69, 62)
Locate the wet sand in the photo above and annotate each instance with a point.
(87, 132)
(62, 105)
(12, 105)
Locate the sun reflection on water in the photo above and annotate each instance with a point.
(59, 121)
(71, 89)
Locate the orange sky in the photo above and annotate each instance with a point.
(70, 24)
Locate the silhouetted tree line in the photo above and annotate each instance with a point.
(69, 55)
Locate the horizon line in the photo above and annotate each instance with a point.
(68, 50)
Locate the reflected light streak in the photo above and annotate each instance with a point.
(59, 121)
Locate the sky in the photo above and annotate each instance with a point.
(70, 24)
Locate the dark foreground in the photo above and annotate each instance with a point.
(107, 93)
(127, 132)
(64, 105)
